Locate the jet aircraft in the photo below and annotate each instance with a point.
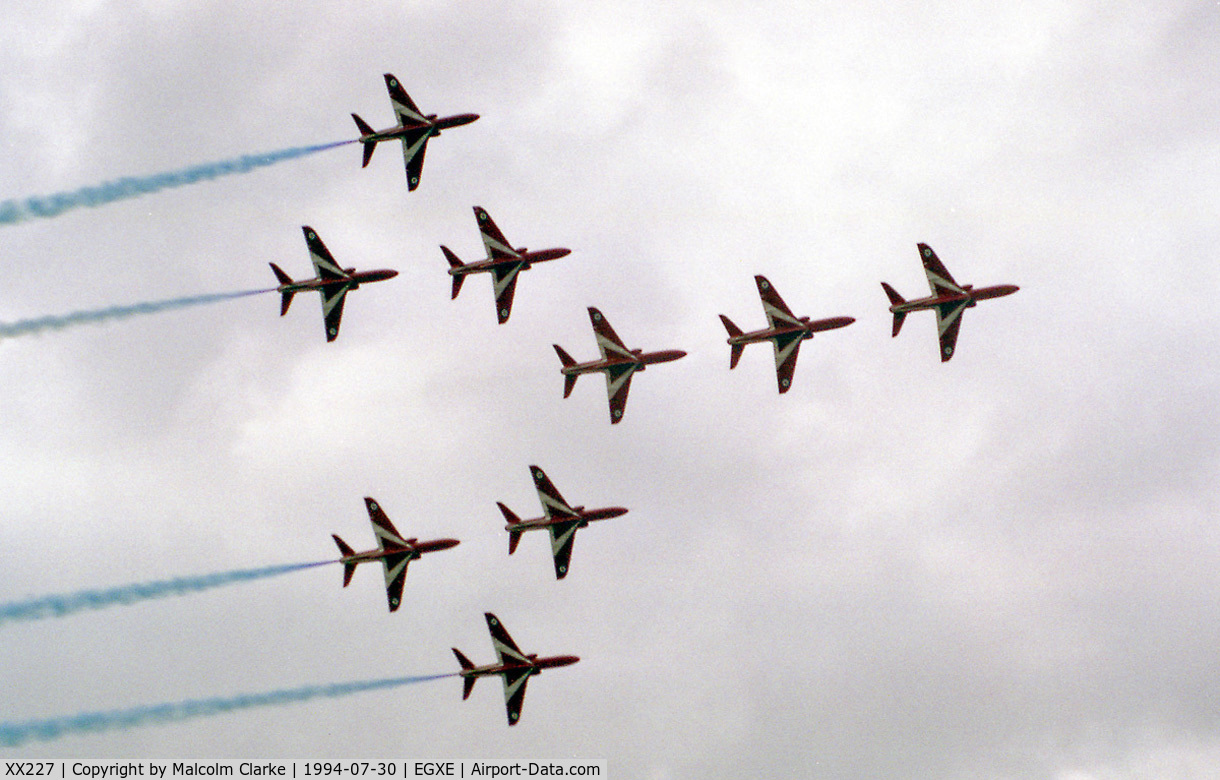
(618, 363)
(413, 129)
(559, 517)
(393, 551)
(503, 263)
(948, 300)
(333, 282)
(785, 331)
(515, 667)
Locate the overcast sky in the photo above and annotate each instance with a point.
(1006, 566)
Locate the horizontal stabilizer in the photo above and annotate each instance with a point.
(895, 300)
(279, 274)
(467, 682)
(735, 351)
(345, 552)
(564, 357)
(454, 263)
(369, 146)
(733, 330)
(898, 318)
(893, 295)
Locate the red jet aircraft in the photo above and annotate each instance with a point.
(785, 332)
(414, 129)
(503, 263)
(949, 300)
(332, 282)
(393, 551)
(618, 363)
(561, 519)
(515, 667)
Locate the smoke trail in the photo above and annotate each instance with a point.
(65, 604)
(20, 732)
(58, 322)
(14, 211)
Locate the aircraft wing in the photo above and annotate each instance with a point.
(332, 308)
(404, 107)
(324, 264)
(413, 147)
(506, 649)
(948, 321)
(939, 278)
(553, 504)
(514, 692)
(562, 536)
(504, 283)
(618, 384)
(787, 347)
(607, 340)
(395, 575)
(494, 242)
(387, 535)
(778, 313)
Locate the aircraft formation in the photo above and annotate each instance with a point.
(619, 363)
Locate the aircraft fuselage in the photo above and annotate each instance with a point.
(436, 125)
(535, 666)
(809, 328)
(641, 361)
(524, 258)
(352, 281)
(970, 296)
(583, 516)
(413, 550)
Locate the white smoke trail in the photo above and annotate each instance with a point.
(61, 321)
(65, 604)
(17, 733)
(46, 207)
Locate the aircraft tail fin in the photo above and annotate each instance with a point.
(895, 299)
(346, 552)
(369, 146)
(513, 536)
(286, 296)
(569, 380)
(454, 263)
(467, 682)
(734, 349)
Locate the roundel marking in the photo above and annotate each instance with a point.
(597, 315)
(394, 602)
(538, 475)
(332, 331)
(618, 412)
(493, 622)
(786, 382)
(393, 82)
(764, 285)
(504, 312)
(482, 215)
(372, 505)
(312, 235)
(415, 180)
(927, 252)
(513, 716)
(563, 569)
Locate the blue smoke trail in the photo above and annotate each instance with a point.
(58, 322)
(14, 211)
(20, 732)
(65, 604)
